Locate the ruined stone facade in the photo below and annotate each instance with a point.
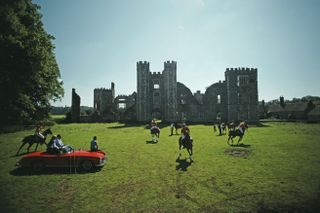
(103, 102)
(75, 106)
(160, 96)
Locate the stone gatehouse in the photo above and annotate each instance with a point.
(159, 95)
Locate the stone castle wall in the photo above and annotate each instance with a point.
(160, 96)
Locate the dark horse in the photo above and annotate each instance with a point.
(155, 132)
(234, 133)
(31, 139)
(177, 126)
(187, 142)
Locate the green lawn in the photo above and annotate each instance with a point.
(280, 173)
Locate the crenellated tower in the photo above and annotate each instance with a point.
(242, 94)
(156, 92)
(143, 91)
(169, 97)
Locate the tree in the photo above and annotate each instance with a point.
(30, 75)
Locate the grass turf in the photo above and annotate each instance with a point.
(279, 172)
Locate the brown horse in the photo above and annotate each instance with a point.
(187, 142)
(236, 133)
(31, 139)
(155, 133)
(177, 126)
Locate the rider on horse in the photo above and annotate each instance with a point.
(242, 126)
(155, 131)
(153, 123)
(38, 131)
(185, 131)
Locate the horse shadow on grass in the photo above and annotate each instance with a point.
(183, 164)
(151, 142)
(260, 124)
(129, 124)
(48, 171)
(241, 145)
(125, 125)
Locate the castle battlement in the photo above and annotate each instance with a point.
(155, 74)
(142, 63)
(122, 96)
(102, 89)
(170, 62)
(242, 70)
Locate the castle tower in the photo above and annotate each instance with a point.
(156, 87)
(103, 99)
(242, 94)
(143, 91)
(169, 92)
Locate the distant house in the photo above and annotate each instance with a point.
(297, 111)
(291, 111)
(276, 111)
(314, 115)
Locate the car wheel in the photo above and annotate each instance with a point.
(86, 165)
(37, 166)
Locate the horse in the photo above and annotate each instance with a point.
(231, 126)
(187, 142)
(31, 139)
(236, 132)
(155, 133)
(177, 126)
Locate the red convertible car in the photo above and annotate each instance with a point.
(84, 160)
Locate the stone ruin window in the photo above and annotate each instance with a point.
(122, 105)
(183, 99)
(242, 80)
(218, 99)
(156, 86)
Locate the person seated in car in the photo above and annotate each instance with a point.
(94, 144)
(55, 145)
(50, 145)
(58, 142)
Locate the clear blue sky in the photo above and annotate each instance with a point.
(100, 41)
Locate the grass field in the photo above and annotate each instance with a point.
(279, 173)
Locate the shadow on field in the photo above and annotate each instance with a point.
(183, 164)
(146, 126)
(125, 125)
(151, 142)
(262, 125)
(241, 145)
(48, 171)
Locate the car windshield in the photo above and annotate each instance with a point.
(67, 149)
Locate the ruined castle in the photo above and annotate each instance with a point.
(160, 96)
